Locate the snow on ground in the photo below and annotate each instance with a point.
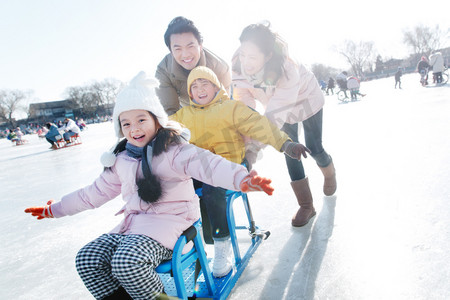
(384, 235)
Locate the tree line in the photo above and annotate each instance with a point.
(87, 99)
(361, 57)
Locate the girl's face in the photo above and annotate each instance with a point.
(203, 91)
(138, 126)
(251, 57)
(185, 49)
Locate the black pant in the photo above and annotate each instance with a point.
(313, 140)
(213, 208)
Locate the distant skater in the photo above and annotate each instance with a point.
(398, 75)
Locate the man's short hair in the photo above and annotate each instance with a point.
(181, 25)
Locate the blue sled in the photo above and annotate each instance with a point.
(189, 276)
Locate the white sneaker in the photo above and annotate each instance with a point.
(222, 258)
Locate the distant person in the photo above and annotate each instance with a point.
(12, 136)
(263, 71)
(52, 135)
(437, 63)
(19, 134)
(80, 123)
(397, 76)
(330, 86)
(341, 80)
(353, 84)
(212, 114)
(323, 84)
(151, 167)
(70, 129)
(422, 67)
(186, 52)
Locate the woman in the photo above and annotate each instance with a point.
(289, 93)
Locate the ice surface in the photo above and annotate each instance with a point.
(384, 235)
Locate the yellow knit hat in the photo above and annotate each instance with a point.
(202, 72)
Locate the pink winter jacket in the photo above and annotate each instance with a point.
(295, 97)
(176, 210)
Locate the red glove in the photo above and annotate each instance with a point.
(252, 182)
(295, 150)
(41, 212)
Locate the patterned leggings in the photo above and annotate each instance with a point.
(114, 260)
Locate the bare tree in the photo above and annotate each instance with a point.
(422, 39)
(358, 55)
(94, 97)
(10, 103)
(107, 90)
(323, 72)
(83, 98)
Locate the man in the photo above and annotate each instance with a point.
(70, 129)
(186, 52)
(341, 80)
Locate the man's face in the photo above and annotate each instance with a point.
(185, 49)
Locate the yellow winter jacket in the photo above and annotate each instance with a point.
(220, 125)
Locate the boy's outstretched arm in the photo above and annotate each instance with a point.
(41, 212)
(252, 182)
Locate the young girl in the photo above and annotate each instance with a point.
(152, 169)
(289, 93)
(218, 124)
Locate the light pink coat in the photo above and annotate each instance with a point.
(295, 97)
(176, 210)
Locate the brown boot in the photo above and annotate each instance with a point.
(305, 200)
(329, 185)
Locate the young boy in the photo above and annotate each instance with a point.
(218, 124)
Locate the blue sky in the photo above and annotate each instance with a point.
(47, 46)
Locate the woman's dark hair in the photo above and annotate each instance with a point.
(48, 125)
(268, 42)
(181, 25)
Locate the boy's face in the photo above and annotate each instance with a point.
(138, 126)
(203, 91)
(185, 49)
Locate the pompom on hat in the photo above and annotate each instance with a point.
(138, 94)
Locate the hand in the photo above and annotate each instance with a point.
(252, 182)
(295, 150)
(41, 212)
(251, 157)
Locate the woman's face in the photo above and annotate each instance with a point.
(138, 126)
(251, 57)
(185, 49)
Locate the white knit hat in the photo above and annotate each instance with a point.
(138, 94)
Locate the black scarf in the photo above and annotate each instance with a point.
(149, 187)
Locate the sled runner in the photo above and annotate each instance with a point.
(20, 142)
(189, 276)
(61, 143)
